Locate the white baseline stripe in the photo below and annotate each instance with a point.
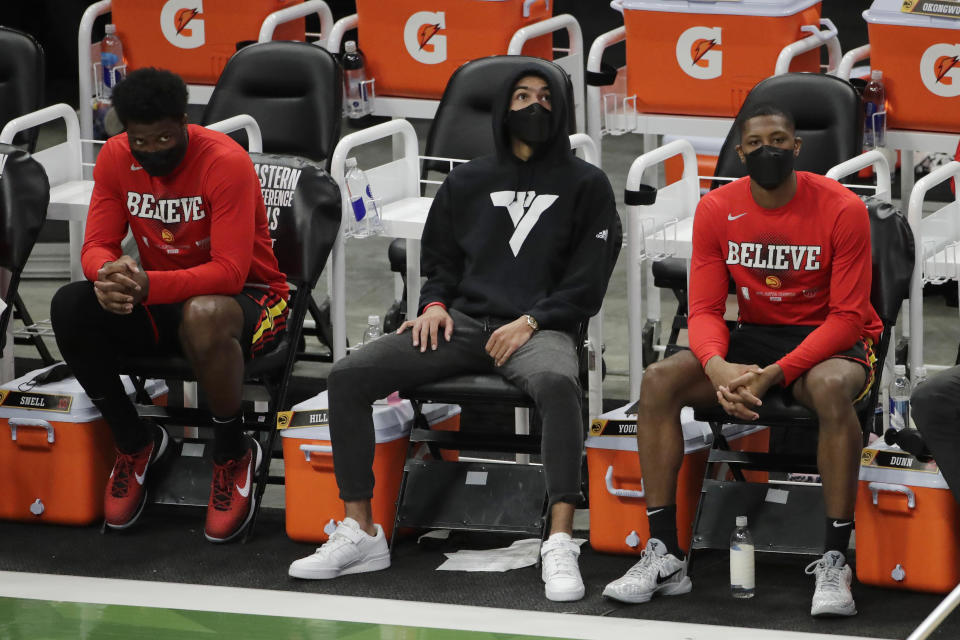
(34, 586)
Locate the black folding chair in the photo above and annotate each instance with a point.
(786, 520)
(303, 238)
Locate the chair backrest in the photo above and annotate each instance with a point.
(305, 226)
(828, 116)
(24, 196)
(461, 127)
(292, 89)
(21, 80)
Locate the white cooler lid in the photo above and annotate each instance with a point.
(888, 12)
(63, 401)
(621, 432)
(766, 8)
(888, 463)
(390, 421)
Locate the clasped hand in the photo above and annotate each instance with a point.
(740, 387)
(120, 285)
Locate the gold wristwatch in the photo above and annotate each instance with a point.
(532, 322)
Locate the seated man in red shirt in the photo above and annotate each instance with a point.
(797, 246)
(206, 285)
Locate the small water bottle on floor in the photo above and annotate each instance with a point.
(372, 331)
(742, 578)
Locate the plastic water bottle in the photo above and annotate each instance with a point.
(874, 112)
(899, 398)
(111, 57)
(372, 331)
(356, 100)
(366, 212)
(742, 578)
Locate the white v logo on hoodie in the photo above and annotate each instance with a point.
(525, 209)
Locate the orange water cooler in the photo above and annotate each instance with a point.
(907, 523)
(313, 505)
(412, 47)
(194, 38)
(56, 451)
(702, 58)
(618, 509)
(918, 55)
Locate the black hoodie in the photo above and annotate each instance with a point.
(555, 260)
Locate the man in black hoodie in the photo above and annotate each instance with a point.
(517, 250)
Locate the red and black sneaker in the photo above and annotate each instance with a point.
(232, 497)
(126, 491)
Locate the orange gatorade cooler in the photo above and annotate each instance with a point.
(313, 505)
(412, 47)
(918, 55)
(694, 57)
(908, 525)
(618, 509)
(56, 451)
(194, 38)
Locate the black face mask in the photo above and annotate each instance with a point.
(161, 163)
(769, 166)
(530, 124)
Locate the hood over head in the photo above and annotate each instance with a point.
(561, 114)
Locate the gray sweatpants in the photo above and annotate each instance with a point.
(545, 368)
(935, 407)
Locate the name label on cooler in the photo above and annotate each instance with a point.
(613, 428)
(33, 401)
(314, 418)
(895, 459)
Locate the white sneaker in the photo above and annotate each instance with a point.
(656, 572)
(349, 550)
(560, 571)
(832, 595)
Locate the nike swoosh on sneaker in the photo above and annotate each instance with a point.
(244, 491)
(733, 217)
(140, 476)
(661, 579)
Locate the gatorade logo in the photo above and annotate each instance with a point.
(698, 52)
(940, 70)
(181, 25)
(421, 36)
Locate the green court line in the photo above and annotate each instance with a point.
(22, 619)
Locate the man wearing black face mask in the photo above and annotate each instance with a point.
(797, 245)
(517, 250)
(207, 286)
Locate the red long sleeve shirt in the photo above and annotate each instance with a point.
(806, 263)
(201, 230)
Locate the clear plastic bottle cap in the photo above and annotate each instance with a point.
(741, 521)
(110, 29)
(876, 74)
(900, 369)
(373, 320)
(350, 46)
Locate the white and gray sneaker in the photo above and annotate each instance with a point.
(656, 572)
(350, 549)
(832, 595)
(560, 571)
